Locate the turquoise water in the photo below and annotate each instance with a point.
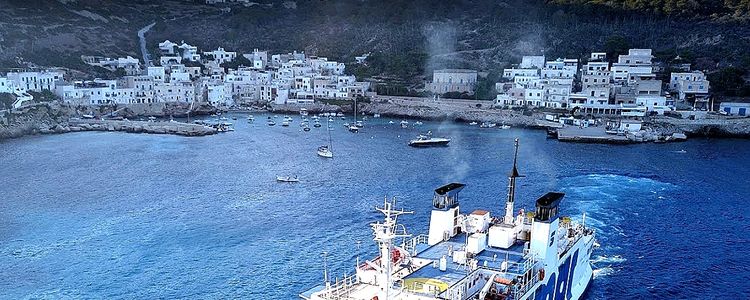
(115, 215)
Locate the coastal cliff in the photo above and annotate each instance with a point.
(33, 119)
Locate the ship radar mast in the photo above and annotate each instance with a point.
(384, 233)
(508, 219)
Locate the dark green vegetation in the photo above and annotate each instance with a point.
(408, 39)
(6, 101)
(732, 9)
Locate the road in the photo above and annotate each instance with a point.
(144, 50)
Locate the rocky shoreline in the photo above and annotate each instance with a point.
(53, 117)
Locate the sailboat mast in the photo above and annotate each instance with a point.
(330, 145)
(508, 219)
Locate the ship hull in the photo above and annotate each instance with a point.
(429, 144)
(572, 277)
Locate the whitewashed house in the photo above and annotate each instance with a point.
(691, 87)
(453, 80)
(36, 81)
(220, 55)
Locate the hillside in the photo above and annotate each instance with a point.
(408, 38)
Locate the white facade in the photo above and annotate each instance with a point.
(453, 80)
(511, 74)
(530, 62)
(35, 81)
(221, 56)
(692, 84)
(735, 108)
(5, 85)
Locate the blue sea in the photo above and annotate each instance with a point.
(101, 215)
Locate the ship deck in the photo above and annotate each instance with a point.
(490, 258)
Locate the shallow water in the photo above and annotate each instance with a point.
(116, 215)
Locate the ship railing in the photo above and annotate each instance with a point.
(340, 288)
(410, 245)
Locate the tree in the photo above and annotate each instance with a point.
(616, 45)
(729, 82)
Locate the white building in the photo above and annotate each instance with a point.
(511, 74)
(637, 61)
(735, 108)
(453, 80)
(36, 81)
(6, 86)
(560, 68)
(532, 62)
(259, 59)
(95, 92)
(158, 74)
(167, 48)
(691, 86)
(189, 52)
(220, 55)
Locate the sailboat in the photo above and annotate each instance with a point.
(353, 127)
(325, 150)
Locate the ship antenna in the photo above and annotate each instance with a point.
(325, 268)
(508, 219)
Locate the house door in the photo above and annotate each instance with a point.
(742, 111)
(728, 110)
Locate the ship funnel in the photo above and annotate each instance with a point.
(443, 222)
(547, 207)
(446, 197)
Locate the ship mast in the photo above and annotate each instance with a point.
(385, 233)
(508, 219)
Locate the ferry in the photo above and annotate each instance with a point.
(524, 256)
(426, 140)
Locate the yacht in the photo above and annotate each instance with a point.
(426, 140)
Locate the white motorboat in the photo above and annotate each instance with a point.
(287, 178)
(473, 123)
(426, 140)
